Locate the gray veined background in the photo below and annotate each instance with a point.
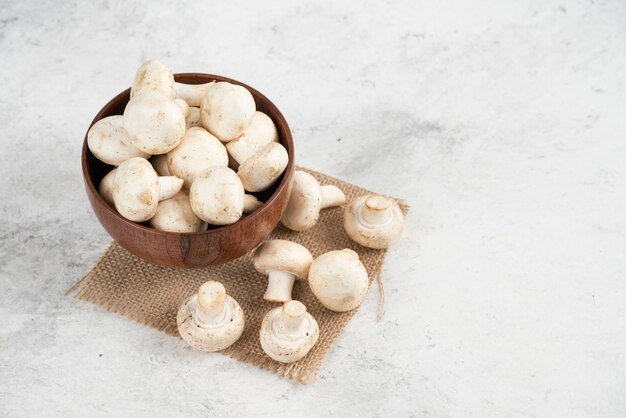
(502, 124)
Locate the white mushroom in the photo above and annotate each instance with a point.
(338, 280)
(138, 190)
(210, 320)
(155, 122)
(159, 163)
(373, 221)
(307, 199)
(197, 152)
(108, 141)
(255, 137)
(283, 262)
(250, 203)
(216, 196)
(288, 332)
(176, 215)
(106, 187)
(193, 118)
(152, 76)
(261, 170)
(226, 110)
(155, 77)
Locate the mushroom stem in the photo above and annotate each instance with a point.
(210, 307)
(250, 203)
(169, 186)
(191, 93)
(332, 196)
(292, 320)
(376, 210)
(279, 286)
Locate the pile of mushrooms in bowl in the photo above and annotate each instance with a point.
(192, 170)
(188, 170)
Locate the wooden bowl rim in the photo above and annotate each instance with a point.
(201, 78)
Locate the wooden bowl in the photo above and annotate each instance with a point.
(215, 246)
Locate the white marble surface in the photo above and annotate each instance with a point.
(502, 124)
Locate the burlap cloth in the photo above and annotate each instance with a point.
(149, 294)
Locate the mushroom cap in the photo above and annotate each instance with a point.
(108, 141)
(377, 236)
(197, 152)
(261, 170)
(152, 76)
(106, 187)
(226, 110)
(193, 118)
(281, 345)
(176, 215)
(339, 280)
(154, 122)
(216, 196)
(282, 255)
(305, 202)
(136, 190)
(210, 337)
(256, 136)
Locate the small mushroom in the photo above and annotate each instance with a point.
(193, 118)
(108, 141)
(155, 122)
(106, 187)
(159, 163)
(250, 203)
(288, 332)
(338, 280)
(226, 110)
(138, 190)
(307, 199)
(216, 196)
(156, 77)
(255, 137)
(373, 221)
(210, 320)
(176, 215)
(260, 171)
(197, 152)
(283, 262)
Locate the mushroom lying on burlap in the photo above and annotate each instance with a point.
(197, 152)
(307, 199)
(338, 280)
(255, 137)
(283, 262)
(261, 170)
(217, 196)
(210, 320)
(155, 122)
(108, 141)
(137, 189)
(373, 221)
(288, 332)
(154, 76)
(226, 110)
(175, 215)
